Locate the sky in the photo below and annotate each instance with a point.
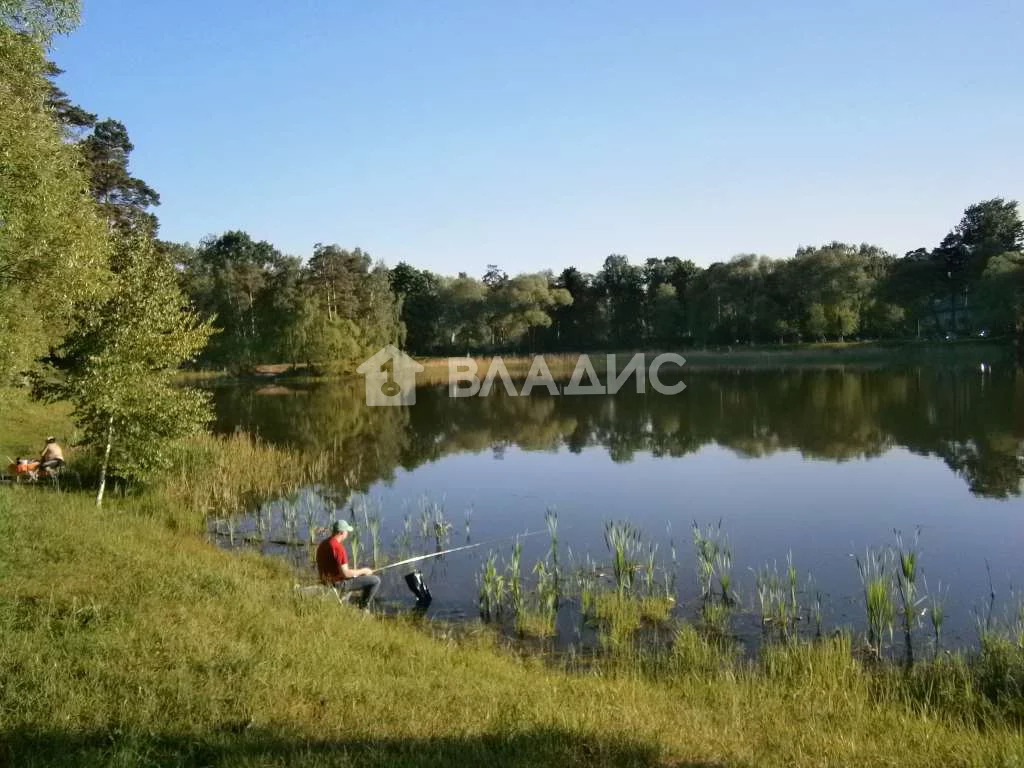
(539, 135)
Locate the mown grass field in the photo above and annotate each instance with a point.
(127, 641)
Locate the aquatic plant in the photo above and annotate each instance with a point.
(936, 613)
(404, 539)
(878, 603)
(492, 588)
(468, 519)
(716, 616)
(547, 586)
(906, 588)
(816, 604)
(373, 523)
(791, 576)
(551, 521)
(649, 573)
(656, 608)
(619, 618)
(623, 540)
(425, 519)
(707, 543)
(355, 544)
(515, 578)
(775, 605)
(587, 583)
(440, 527)
(723, 566)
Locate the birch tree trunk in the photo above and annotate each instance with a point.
(106, 463)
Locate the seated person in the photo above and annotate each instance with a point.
(52, 458)
(332, 564)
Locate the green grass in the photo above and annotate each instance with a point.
(125, 640)
(535, 622)
(25, 424)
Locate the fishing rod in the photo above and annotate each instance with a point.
(418, 558)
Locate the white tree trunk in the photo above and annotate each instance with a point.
(106, 463)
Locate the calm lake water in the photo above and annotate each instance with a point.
(820, 463)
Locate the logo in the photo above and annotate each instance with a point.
(390, 377)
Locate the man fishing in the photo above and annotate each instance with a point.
(332, 564)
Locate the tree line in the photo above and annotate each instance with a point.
(337, 307)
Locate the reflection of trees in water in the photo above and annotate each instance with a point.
(974, 422)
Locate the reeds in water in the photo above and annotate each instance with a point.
(515, 578)
(623, 541)
(906, 588)
(878, 602)
(492, 588)
(937, 613)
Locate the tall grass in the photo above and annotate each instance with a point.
(515, 577)
(907, 589)
(937, 614)
(220, 477)
(623, 541)
(492, 588)
(878, 604)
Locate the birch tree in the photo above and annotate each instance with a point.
(117, 367)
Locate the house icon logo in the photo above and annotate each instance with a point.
(390, 377)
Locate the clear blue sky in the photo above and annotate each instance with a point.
(543, 134)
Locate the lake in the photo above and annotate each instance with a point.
(820, 463)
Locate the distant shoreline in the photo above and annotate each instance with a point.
(811, 355)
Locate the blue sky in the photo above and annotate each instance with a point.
(545, 134)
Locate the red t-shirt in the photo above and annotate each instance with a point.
(330, 556)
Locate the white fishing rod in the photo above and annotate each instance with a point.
(418, 558)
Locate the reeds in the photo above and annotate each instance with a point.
(906, 588)
(222, 476)
(492, 588)
(878, 603)
(937, 613)
(623, 541)
(775, 607)
(515, 578)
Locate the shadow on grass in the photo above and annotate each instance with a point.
(250, 747)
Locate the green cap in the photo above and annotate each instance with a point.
(339, 526)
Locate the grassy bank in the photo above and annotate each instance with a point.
(127, 640)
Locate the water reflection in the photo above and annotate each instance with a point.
(974, 421)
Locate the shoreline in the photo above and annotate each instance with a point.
(825, 355)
